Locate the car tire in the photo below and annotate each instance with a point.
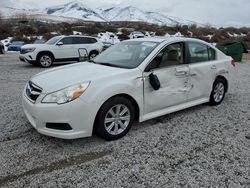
(218, 92)
(93, 55)
(45, 60)
(2, 51)
(114, 118)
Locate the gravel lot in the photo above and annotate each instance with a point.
(199, 147)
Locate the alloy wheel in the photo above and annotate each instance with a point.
(117, 119)
(92, 56)
(45, 61)
(219, 91)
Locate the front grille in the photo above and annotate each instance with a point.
(33, 91)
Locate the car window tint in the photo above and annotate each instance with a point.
(92, 40)
(77, 40)
(67, 41)
(169, 56)
(84, 40)
(211, 53)
(197, 52)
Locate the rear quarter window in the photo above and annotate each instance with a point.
(84, 40)
(91, 40)
(211, 53)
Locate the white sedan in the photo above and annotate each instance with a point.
(135, 80)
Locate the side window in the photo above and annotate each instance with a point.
(211, 53)
(77, 40)
(92, 40)
(67, 41)
(169, 56)
(84, 40)
(198, 52)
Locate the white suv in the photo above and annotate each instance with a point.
(137, 79)
(61, 48)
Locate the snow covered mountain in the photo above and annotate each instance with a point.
(74, 9)
(77, 10)
(9, 11)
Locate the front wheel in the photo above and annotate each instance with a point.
(218, 92)
(45, 60)
(114, 118)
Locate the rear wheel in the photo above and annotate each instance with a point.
(218, 92)
(45, 60)
(2, 51)
(93, 55)
(115, 118)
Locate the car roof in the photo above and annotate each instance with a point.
(78, 36)
(167, 39)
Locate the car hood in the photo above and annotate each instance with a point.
(35, 45)
(62, 77)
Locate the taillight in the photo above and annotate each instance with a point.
(233, 63)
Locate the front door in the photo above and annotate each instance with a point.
(66, 49)
(173, 73)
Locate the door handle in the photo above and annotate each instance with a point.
(193, 74)
(182, 90)
(181, 73)
(213, 67)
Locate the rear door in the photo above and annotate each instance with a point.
(173, 73)
(83, 43)
(202, 65)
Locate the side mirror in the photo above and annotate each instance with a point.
(154, 81)
(59, 43)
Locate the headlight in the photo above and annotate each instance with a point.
(66, 95)
(28, 50)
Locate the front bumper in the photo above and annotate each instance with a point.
(78, 114)
(28, 58)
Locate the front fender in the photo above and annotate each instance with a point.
(98, 94)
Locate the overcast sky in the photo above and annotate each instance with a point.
(215, 12)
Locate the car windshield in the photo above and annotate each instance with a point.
(53, 40)
(127, 54)
(140, 33)
(39, 41)
(17, 43)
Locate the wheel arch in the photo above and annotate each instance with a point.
(45, 52)
(131, 99)
(94, 51)
(223, 78)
